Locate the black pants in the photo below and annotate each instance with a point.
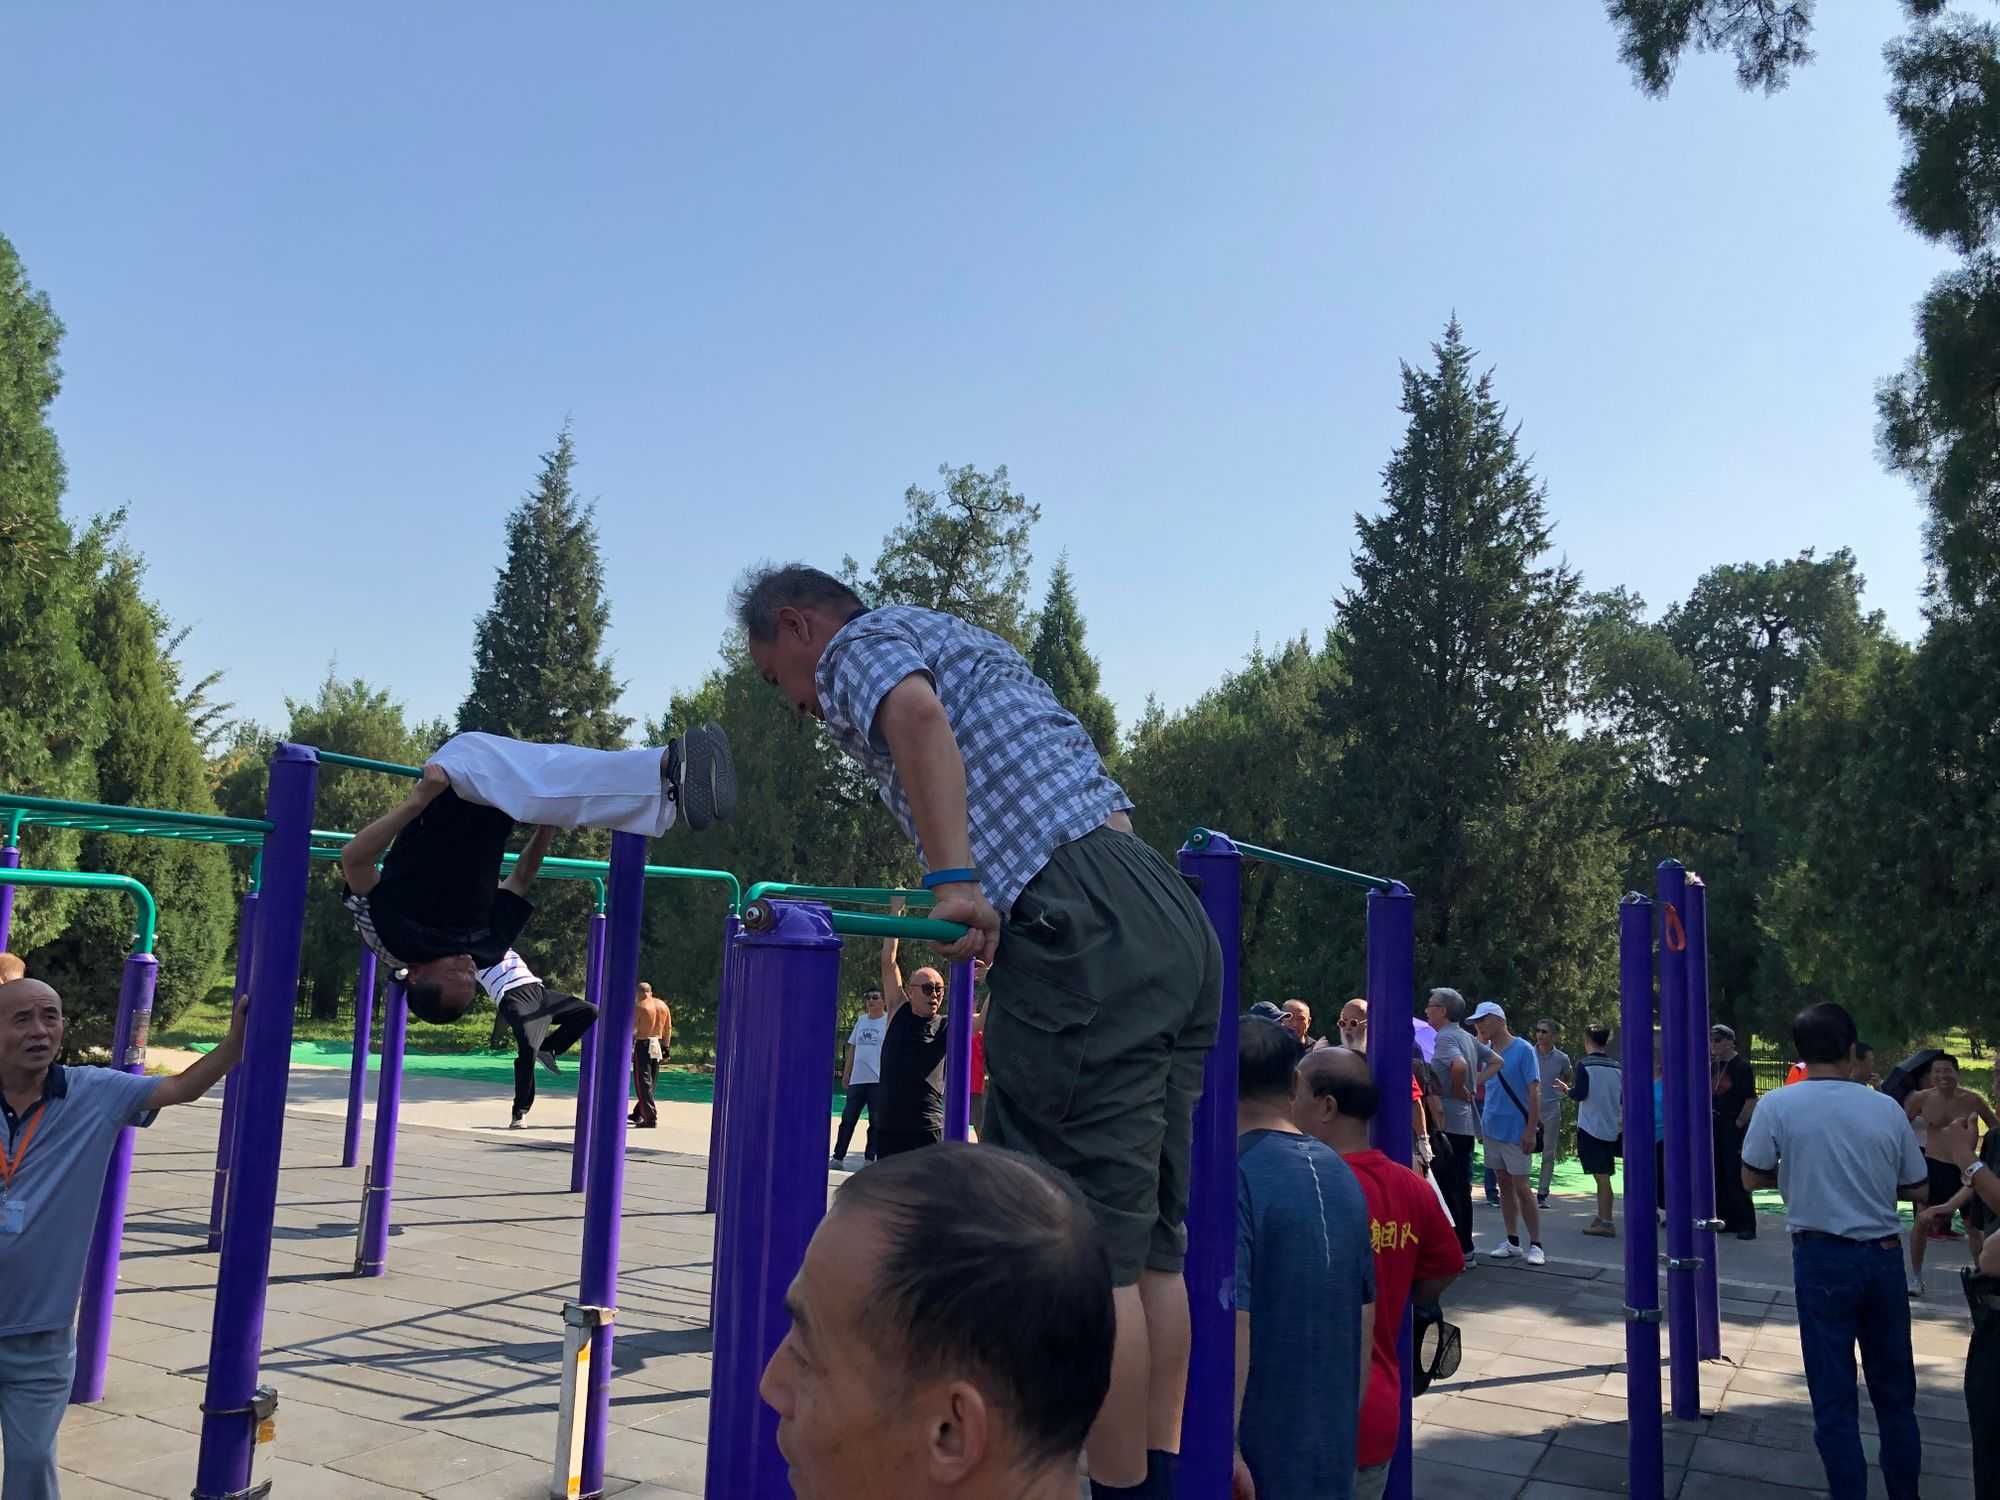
(645, 1076)
(896, 1142)
(860, 1096)
(1982, 1386)
(1733, 1204)
(542, 1021)
(1453, 1171)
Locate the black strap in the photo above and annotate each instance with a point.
(1502, 1076)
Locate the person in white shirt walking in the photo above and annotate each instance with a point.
(862, 1075)
(545, 1023)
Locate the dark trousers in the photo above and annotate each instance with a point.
(1849, 1293)
(978, 1106)
(1982, 1386)
(1453, 1171)
(896, 1142)
(860, 1096)
(555, 1042)
(645, 1077)
(1733, 1204)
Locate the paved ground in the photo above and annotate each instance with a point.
(440, 1378)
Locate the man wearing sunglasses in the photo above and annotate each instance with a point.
(909, 1101)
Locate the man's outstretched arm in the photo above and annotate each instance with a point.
(529, 862)
(915, 727)
(198, 1077)
(357, 860)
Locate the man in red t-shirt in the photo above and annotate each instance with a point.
(1416, 1248)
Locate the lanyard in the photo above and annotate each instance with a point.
(10, 1163)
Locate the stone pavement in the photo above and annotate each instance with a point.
(440, 1379)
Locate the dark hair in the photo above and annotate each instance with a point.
(1946, 1057)
(427, 1003)
(1356, 1098)
(1266, 1057)
(1862, 1051)
(995, 1272)
(1598, 1032)
(1824, 1033)
(764, 590)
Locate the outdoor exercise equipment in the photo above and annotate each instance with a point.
(128, 1055)
(1693, 1313)
(1208, 1438)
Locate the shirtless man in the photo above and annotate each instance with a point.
(1940, 1103)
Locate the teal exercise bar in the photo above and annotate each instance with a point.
(865, 895)
(1200, 837)
(363, 763)
(86, 880)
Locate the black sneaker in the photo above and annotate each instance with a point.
(548, 1060)
(702, 776)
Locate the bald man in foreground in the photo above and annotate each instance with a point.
(61, 1124)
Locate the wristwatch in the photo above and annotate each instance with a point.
(1966, 1176)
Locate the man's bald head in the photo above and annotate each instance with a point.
(12, 967)
(1335, 1098)
(31, 1027)
(1322, 1069)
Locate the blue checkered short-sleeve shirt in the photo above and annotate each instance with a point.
(1033, 779)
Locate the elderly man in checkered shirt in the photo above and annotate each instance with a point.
(1106, 979)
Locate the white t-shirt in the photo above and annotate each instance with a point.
(509, 974)
(866, 1040)
(1841, 1151)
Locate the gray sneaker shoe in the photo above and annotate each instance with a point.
(548, 1060)
(703, 777)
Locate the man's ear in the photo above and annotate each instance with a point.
(959, 1431)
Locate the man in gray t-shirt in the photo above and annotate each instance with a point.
(1456, 1057)
(1842, 1154)
(1554, 1064)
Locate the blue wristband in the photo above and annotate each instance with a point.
(937, 878)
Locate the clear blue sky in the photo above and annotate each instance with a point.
(334, 277)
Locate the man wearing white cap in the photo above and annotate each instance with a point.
(1513, 1104)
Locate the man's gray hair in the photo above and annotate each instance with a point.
(764, 590)
(1452, 1001)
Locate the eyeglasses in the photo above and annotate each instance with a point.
(930, 989)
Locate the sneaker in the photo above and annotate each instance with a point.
(702, 776)
(646, 1125)
(517, 1123)
(1541, 1200)
(838, 1163)
(1535, 1256)
(548, 1060)
(1505, 1250)
(1916, 1286)
(1601, 1230)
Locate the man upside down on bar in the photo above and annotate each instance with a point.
(1107, 977)
(439, 910)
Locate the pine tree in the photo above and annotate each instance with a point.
(1459, 647)
(1060, 659)
(149, 758)
(963, 550)
(538, 669)
(51, 711)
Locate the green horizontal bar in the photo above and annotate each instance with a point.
(867, 895)
(363, 763)
(324, 841)
(1200, 837)
(124, 817)
(872, 924)
(85, 880)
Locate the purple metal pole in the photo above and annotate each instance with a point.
(225, 1133)
(1707, 1292)
(1391, 984)
(1684, 1371)
(100, 1270)
(958, 1053)
(773, 1191)
(371, 1252)
(229, 1421)
(1208, 1436)
(1645, 1445)
(357, 1069)
(725, 1040)
(586, 1055)
(10, 859)
(604, 1196)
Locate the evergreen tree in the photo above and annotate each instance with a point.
(1060, 659)
(51, 712)
(538, 668)
(148, 759)
(1459, 647)
(963, 550)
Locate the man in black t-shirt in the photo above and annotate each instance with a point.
(437, 907)
(1734, 1090)
(908, 1110)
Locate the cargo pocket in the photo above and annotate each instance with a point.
(1036, 1028)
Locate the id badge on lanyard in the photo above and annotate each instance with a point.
(14, 1212)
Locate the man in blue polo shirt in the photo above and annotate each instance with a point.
(60, 1125)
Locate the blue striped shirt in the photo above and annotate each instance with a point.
(1033, 779)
